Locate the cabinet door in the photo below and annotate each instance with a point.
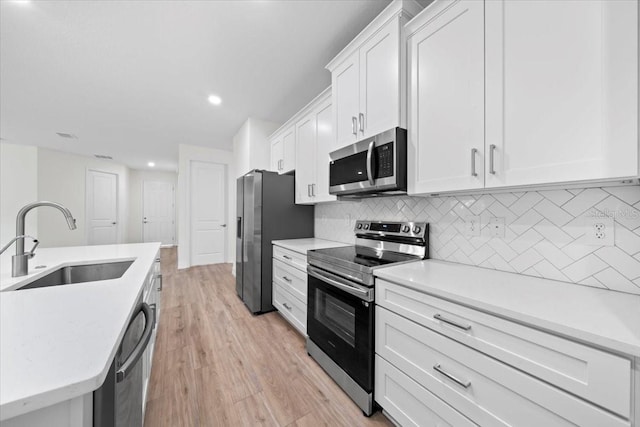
(306, 158)
(289, 150)
(446, 100)
(380, 81)
(345, 98)
(277, 154)
(561, 91)
(324, 145)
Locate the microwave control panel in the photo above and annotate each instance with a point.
(384, 157)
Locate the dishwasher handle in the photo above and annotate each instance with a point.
(136, 354)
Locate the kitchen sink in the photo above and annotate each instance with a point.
(80, 273)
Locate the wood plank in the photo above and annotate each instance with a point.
(216, 364)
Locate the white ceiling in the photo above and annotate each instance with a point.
(131, 78)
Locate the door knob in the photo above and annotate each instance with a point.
(223, 225)
(113, 223)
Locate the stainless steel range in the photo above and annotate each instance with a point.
(340, 313)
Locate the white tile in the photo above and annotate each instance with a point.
(576, 227)
(559, 197)
(435, 201)
(577, 250)
(575, 192)
(618, 259)
(497, 209)
(622, 213)
(482, 204)
(464, 245)
(531, 272)
(526, 202)
(583, 268)
(629, 193)
(506, 199)
(553, 213)
(525, 241)
(548, 271)
(552, 254)
(585, 200)
(525, 222)
(627, 240)
(553, 233)
(459, 256)
(525, 260)
(479, 241)
(616, 281)
(592, 281)
(503, 249)
(481, 254)
(500, 264)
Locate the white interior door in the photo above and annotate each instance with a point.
(158, 212)
(208, 209)
(102, 208)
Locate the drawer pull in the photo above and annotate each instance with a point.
(286, 278)
(456, 380)
(286, 257)
(451, 322)
(287, 306)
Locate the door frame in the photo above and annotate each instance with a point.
(190, 208)
(87, 217)
(175, 222)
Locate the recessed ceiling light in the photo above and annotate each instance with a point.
(151, 164)
(215, 99)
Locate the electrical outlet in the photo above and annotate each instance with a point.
(496, 227)
(599, 231)
(472, 226)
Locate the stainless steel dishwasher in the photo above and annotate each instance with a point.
(118, 402)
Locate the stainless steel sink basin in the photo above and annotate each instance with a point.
(80, 273)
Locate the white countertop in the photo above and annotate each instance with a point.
(605, 318)
(304, 245)
(58, 342)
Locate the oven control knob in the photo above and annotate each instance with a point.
(366, 226)
(417, 229)
(359, 226)
(406, 228)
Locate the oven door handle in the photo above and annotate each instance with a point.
(338, 283)
(369, 163)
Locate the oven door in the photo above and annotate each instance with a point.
(340, 322)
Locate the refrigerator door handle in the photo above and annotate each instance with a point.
(239, 228)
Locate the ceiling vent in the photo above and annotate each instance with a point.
(103, 156)
(66, 135)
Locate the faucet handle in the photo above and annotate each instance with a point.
(32, 252)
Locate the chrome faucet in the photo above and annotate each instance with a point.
(20, 261)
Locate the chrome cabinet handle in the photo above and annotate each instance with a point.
(286, 257)
(369, 163)
(158, 259)
(309, 190)
(354, 125)
(438, 316)
(159, 277)
(287, 306)
(286, 278)
(150, 323)
(453, 378)
(113, 223)
(313, 190)
(361, 120)
(474, 151)
(492, 149)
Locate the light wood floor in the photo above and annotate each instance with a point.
(217, 365)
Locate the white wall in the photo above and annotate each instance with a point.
(62, 179)
(136, 200)
(187, 153)
(18, 187)
(251, 148)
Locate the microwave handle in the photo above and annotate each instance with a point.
(370, 163)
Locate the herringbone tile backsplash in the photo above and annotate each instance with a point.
(544, 233)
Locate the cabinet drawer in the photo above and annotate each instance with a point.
(295, 259)
(487, 391)
(410, 404)
(595, 375)
(290, 307)
(290, 278)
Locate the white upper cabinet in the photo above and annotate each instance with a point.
(367, 77)
(283, 150)
(540, 92)
(446, 99)
(562, 91)
(314, 142)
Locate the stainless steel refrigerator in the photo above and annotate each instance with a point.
(266, 211)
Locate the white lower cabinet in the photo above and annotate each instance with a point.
(489, 370)
(289, 294)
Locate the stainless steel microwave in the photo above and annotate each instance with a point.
(372, 166)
